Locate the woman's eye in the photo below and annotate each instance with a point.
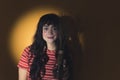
(45, 28)
(54, 28)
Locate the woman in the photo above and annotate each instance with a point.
(47, 57)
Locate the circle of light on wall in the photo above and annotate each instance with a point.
(24, 29)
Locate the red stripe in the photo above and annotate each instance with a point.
(23, 63)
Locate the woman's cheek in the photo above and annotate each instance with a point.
(44, 34)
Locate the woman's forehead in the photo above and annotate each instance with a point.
(48, 25)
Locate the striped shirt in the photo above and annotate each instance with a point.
(26, 60)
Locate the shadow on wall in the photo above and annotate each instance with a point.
(71, 31)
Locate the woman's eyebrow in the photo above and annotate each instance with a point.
(45, 26)
(48, 25)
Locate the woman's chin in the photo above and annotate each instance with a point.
(50, 41)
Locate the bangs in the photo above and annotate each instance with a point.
(51, 20)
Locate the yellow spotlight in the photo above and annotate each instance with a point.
(24, 29)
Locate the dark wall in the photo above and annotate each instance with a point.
(99, 21)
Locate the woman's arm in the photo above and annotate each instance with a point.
(23, 65)
(22, 74)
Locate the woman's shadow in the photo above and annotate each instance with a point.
(71, 30)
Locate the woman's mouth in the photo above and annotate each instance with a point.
(50, 37)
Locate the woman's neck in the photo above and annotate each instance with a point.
(51, 46)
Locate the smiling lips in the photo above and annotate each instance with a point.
(50, 37)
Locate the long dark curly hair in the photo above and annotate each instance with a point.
(62, 68)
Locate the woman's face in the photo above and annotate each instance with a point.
(49, 33)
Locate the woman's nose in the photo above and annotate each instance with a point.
(50, 31)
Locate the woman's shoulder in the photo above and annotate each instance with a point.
(27, 48)
(25, 57)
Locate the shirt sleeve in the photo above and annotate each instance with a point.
(23, 62)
